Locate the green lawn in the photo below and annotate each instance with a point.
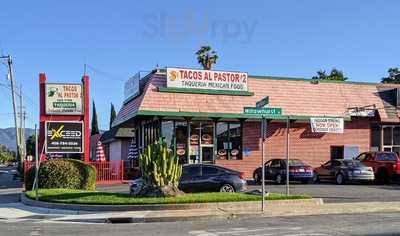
(103, 198)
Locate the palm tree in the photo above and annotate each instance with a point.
(206, 57)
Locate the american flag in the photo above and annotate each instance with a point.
(100, 152)
(133, 152)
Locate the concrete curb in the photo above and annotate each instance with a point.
(224, 206)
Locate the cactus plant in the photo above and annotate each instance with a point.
(159, 166)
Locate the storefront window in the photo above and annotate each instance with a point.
(167, 132)
(194, 156)
(229, 141)
(181, 141)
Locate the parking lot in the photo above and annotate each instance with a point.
(340, 193)
(331, 193)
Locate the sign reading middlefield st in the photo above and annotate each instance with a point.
(64, 99)
(64, 137)
(206, 79)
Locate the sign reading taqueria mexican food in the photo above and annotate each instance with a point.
(206, 79)
(64, 99)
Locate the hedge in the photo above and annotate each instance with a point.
(63, 173)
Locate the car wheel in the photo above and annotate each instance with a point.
(315, 178)
(227, 188)
(257, 178)
(382, 176)
(278, 179)
(340, 178)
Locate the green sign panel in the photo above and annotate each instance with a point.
(263, 111)
(262, 102)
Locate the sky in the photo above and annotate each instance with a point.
(116, 39)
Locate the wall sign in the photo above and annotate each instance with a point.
(64, 99)
(64, 137)
(327, 125)
(206, 79)
(131, 87)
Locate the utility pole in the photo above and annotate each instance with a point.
(22, 126)
(12, 83)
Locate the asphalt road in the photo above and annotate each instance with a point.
(371, 224)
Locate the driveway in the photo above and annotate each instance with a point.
(331, 193)
(10, 188)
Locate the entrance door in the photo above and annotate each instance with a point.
(201, 142)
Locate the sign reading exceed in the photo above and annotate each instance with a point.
(263, 111)
(206, 79)
(64, 99)
(131, 87)
(64, 137)
(327, 125)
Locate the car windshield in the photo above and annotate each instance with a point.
(386, 156)
(352, 163)
(295, 162)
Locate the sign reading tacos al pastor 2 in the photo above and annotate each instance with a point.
(206, 79)
(64, 99)
(64, 137)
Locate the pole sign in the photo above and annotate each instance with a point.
(327, 125)
(206, 79)
(263, 111)
(263, 102)
(63, 99)
(64, 137)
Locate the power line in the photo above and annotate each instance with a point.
(106, 75)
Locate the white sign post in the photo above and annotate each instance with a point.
(327, 125)
(206, 79)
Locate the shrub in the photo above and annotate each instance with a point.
(63, 173)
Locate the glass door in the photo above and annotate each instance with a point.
(201, 142)
(207, 142)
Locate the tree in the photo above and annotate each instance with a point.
(206, 57)
(335, 74)
(6, 155)
(393, 78)
(95, 126)
(31, 146)
(113, 114)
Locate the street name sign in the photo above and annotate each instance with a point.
(262, 102)
(263, 111)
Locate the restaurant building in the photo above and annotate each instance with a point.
(209, 117)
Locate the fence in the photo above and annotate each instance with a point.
(107, 172)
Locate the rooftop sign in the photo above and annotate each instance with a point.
(206, 79)
(131, 87)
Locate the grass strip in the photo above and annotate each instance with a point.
(72, 196)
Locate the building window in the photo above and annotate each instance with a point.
(181, 132)
(167, 132)
(337, 152)
(229, 141)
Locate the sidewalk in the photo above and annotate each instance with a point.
(19, 211)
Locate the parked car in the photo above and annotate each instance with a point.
(275, 169)
(386, 165)
(341, 171)
(205, 178)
